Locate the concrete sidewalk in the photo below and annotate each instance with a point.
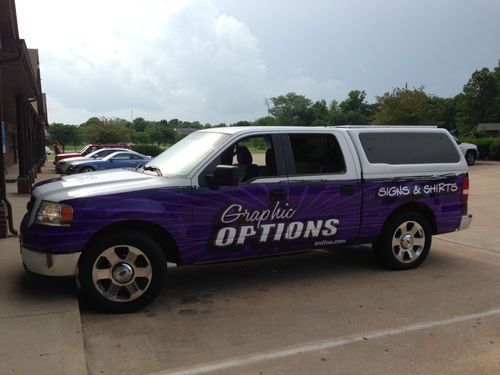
(40, 322)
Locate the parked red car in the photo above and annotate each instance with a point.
(90, 148)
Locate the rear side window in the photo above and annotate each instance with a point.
(408, 148)
(122, 157)
(316, 154)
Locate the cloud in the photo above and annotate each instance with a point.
(163, 58)
(316, 89)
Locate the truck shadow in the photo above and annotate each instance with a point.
(200, 283)
(44, 288)
(269, 270)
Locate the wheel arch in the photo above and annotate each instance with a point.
(420, 208)
(162, 236)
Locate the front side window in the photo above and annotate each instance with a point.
(316, 154)
(254, 156)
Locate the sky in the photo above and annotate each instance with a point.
(218, 61)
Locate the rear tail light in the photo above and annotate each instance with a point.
(465, 190)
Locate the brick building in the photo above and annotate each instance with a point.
(23, 111)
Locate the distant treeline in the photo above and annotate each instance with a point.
(479, 102)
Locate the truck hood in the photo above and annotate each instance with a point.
(468, 145)
(76, 158)
(112, 181)
(87, 160)
(68, 155)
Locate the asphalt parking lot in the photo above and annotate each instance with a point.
(321, 313)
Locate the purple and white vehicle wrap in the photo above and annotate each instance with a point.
(210, 225)
(266, 215)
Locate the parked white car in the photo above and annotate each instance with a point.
(64, 164)
(469, 150)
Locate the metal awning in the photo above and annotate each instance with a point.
(18, 78)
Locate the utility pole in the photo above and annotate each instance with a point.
(131, 125)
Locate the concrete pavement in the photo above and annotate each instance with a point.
(318, 313)
(322, 313)
(40, 323)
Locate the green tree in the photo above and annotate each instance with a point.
(291, 109)
(174, 123)
(141, 138)
(196, 125)
(139, 124)
(108, 133)
(355, 102)
(406, 107)
(92, 121)
(64, 134)
(319, 113)
(335, 115)
(241, 123)
(480, 99)
(265, 121)
(162, 134)
(446, 112)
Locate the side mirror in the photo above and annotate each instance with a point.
(224, 175)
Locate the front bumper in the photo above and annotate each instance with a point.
(50, 264)
(465, 222)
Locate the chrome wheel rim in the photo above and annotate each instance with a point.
(122, 273)
(408, 242)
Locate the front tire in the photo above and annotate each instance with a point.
(86, 170)
(122, 272)
(405, 242)
(470, 157)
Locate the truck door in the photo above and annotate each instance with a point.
(324, 190)
(246, 220)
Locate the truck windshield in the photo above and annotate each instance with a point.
(181, 158)
(84, 150)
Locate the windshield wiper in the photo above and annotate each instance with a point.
(152, 168)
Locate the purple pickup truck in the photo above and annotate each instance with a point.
(244, 192)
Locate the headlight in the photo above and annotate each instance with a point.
(70, 169)
(56, 214)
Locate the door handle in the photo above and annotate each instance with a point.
(277, 195)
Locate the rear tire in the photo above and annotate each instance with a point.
(405, 242)
(122, 272)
